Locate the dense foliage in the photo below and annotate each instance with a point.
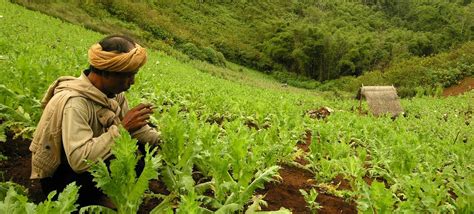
(223, 138)
(13, 199)
(416, 76)
(423, 158)
(120, 181)
(319, 39)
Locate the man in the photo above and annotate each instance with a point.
(81, 118)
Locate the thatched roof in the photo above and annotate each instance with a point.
(381, 99)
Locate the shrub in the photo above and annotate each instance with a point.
(295, 80)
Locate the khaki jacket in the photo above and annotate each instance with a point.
(81, 121)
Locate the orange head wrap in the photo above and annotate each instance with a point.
(115, 61)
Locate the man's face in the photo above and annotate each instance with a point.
(116, 83)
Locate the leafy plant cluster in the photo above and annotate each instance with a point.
(119, 180)
(28, 70)
(13, 199)
(217, 151)
(423, 158)
(17, 114)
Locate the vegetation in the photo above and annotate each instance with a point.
(319, 39)
(421, 158)
(119, 180)
(416, 76)
(13, 199)
(225, 132)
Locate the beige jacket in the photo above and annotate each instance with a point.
(81, 121)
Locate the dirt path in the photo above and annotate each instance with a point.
(466, 84)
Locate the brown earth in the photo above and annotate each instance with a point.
(17, 167)
(279, 194)
(466, 84)
(286, 194)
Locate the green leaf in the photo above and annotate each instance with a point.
(259, 181)
(3, 136)
(96, 209)
(169, 178)
(16, 203)
(165, 207)
(5, 186)
(65, 203)
(119, 182)
(257, 202)
(67, 199)
(229, 208)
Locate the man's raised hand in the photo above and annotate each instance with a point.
(137, 117)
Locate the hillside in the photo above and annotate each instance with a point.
(319, 39)
(236, 141)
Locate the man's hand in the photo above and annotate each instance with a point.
(137, 117)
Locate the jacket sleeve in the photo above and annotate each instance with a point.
(146, 134)
(78, 137)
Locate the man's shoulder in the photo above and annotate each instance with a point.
(63, 97)
(78, 101)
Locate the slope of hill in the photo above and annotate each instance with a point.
(228, 133)
(225, 100)
(318, 39)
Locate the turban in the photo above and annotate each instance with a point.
(115, 61)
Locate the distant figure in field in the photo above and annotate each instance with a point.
(81, 118)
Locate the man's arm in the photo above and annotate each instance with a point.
(78, 137)
(147, 134)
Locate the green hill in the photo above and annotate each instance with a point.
(319, 39)
(227, 131)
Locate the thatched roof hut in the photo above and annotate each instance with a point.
(381, 99)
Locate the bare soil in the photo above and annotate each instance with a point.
(286, 194)
(17, 167)
(464, 85)
(282, 194)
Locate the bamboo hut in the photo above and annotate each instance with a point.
(381, 100)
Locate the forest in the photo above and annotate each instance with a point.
(302, 43)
